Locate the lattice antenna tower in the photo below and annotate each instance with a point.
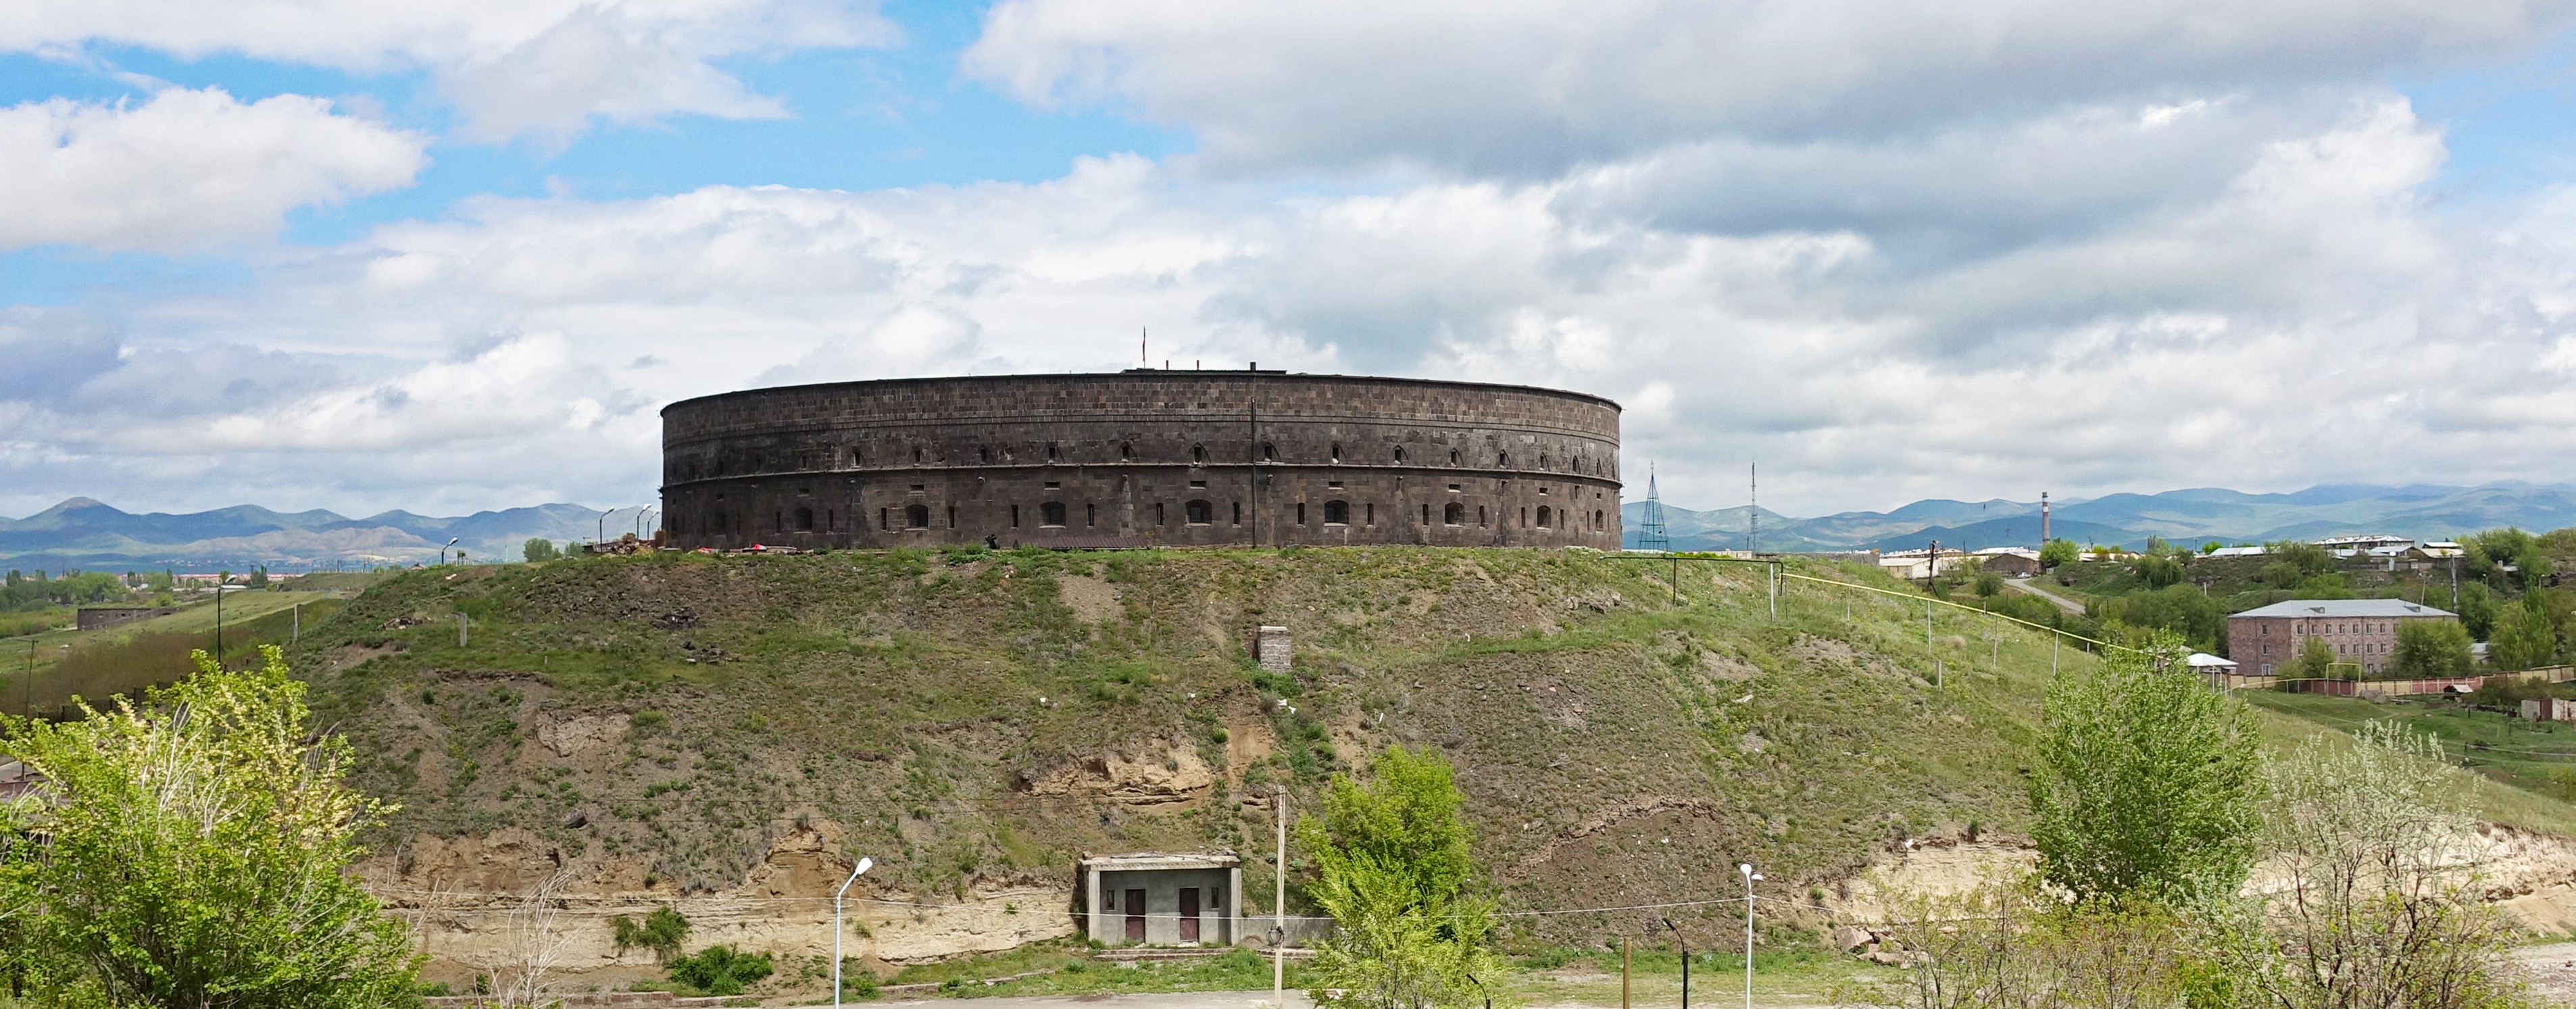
(1650, 526)
(1753, 533)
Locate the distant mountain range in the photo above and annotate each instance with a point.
(85, 534)
(2419, 511)
(81, 533)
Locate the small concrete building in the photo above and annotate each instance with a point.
(2549, 709)
(1163, 899)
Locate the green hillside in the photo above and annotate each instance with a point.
(972, 717)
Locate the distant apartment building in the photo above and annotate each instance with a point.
(2362, 631)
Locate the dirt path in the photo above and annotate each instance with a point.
(2019, 585)
(1225, 1000)
(2553, 970)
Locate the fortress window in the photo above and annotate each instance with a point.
(1455, 488)
(831, 521)
(1542, 517)
(883, 519)
(1301, 513)
(1126, 452)
(805, 520)
(984, 453)
(778, 520)
(1238, 513)
(1596, 519)
(1269, 452)
(1051, 513)
(1198, 485)
(1337, 513)
(1198, 455)
(1426, 515)
(1456, 514)
(1372, 514)
(1091, 515)
(1453, 457)
(1524, 518)
(1199, 513)
(1542, 462)
(1480, 515)
(1503, 459)
(1399, 453)
(1054, 484)
(1337, 451)
(952, 516)
(916, 457)
(1333, 484)
(916, 516)
(1160, 519)
(1053, 453)
(1015, 516)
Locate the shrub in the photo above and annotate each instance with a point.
(719, 970)
(661, 931)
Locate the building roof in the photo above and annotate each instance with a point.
(2345, 608)
(2204, 660)
(2237, 552)
(1150, 861)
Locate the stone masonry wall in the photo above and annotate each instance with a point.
(1177, 458)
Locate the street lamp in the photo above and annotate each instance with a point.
(836, 926)
(1750, 877)
(1684, 943)
(442, 551)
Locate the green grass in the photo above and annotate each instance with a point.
(2524, 772)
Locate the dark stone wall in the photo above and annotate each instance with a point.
(1174, 458)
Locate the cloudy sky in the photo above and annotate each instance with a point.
(443, 257)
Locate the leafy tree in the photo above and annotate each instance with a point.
(2147, 784)
(719, 970)
(2282, 575)
(1395, 874)
(1989, 584)
(2056, 552)
(259, 577)
(2309, 558)
(2182, 609)
(539, 549)
(2431, 648)
(198, 853)
(2210, 547)
(661, 931)
(2315, 660)
(2478, 610)
(2524, 638)
(2325, 586)
(2158, 570)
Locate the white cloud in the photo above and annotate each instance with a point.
(186, 168)
(1526, 88)
(2307, 319)
(544, 68)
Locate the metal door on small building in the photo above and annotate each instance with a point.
(1135, 916)
(1189, 914)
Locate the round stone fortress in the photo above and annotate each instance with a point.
(1142, 458)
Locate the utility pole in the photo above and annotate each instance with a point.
(460, 630)
(1623, 972)
(1931, 565)
(219, 621)
(1279, 909)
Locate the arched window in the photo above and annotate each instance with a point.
(916, 517)
(1455, 514)
(1337, 451)
(1051, 513)
(1301, 513)
(1053, 453)
(1198, 455)
(1399, 453)
(984, 453)
(1542, 461)
(1542, 517)
(1453, 457)
(1269, 452)
(804, 520)
(1503, 459)
(1480, 515)
(1199, 513)
(916, 457)
(1126, 452)
(1337, 513)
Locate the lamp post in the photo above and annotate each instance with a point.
(442, 551)
(836, 925)
(1750, 877)
(1684, 944)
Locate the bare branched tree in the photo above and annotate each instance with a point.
(534, 943)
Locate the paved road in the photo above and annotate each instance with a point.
(2024, 585)
(2553, 970)
(1213, 1000)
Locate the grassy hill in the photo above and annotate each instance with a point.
(974, 719)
